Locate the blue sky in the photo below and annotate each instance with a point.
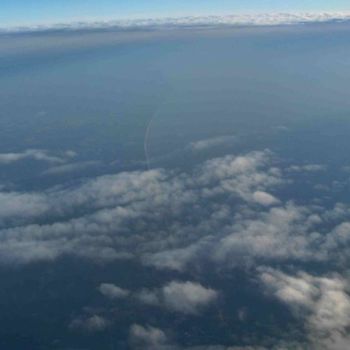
(15, 12)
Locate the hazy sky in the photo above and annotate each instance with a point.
(14, 12)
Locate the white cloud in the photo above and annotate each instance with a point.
(149, 297)
(322, 302)
(278, 234)
(264, 198)
(210, 214)
(202, 145)
(152, 338)
(91, 324)
(196, 22)
(187, 297)
(307, 168)
(148, 337)
(240, 176)
(112, 291)
(184, 297)
(34, 154)
(21, 206)
(71, 167)
(137, 198)
(176, 259)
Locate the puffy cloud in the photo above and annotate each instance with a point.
(94, 323)
(20, 207)
(71, 167)
(281, 234)
(147, 337)
(113, 206)
(35, 154)
(102, 192)
(149, 297)
(205, 144)
(307, 168)
(177, 259)
(187, 297)
(210, 212)
(278, 234)
(112, 291)
(264, 198)
(184, 297)
(322, 302)
(240, 176)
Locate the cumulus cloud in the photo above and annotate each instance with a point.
(19, 207)
(34, 154)
(178, 258)
(185, 297)
(222, 212)
(264, 198)
(177, 220)
(284, 233)
(211, 216)
(90, 324)
(205, 144)
(115, 205)
(240, 176)
(322, 302)
(148, 337)
(278, 234)
(102, 192)
(71, 168)
(307, 168)
(112, 291)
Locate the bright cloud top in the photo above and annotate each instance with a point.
(212, 21)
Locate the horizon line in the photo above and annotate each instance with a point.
(185, 21)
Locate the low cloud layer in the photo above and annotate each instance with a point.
(323, 303)
(202, 145)
(90, 324)
(226, 212)
(262, 19)
(184, 297)
(223, 211)
(148, 337)
(35, 154)
(115, 205)
(112, 291)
